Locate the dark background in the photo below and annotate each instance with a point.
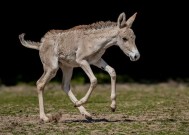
(160, 28)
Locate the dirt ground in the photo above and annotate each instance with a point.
(20, 124)
(143, 109)
(63, 124)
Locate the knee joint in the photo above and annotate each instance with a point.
(53, 72)
(40, 86)
(113, 73)
(94, 82)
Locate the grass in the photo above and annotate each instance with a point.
(158, 109)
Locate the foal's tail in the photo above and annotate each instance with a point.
(28, 44)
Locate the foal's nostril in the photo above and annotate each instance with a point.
(137, 56)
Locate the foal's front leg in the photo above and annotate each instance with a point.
(86, 67)
(103, 65)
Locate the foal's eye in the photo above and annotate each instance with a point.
(124, 39)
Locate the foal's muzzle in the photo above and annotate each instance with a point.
(134, 56)
(137, 56)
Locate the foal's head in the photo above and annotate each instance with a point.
(126, 37)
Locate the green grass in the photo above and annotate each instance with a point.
(159, 109)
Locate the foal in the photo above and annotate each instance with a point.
(82, 46)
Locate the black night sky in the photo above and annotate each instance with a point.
(160, 29)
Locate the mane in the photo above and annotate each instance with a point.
(97, 25)
(93, 26)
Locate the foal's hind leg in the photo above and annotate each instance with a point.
(50, 70)
(67, 74)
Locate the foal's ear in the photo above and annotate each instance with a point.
(130, 21)
(121, 20)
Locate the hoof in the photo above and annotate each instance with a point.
(44, 120)
(113, 109)
(77, 104)
(85, 114)
(89, 118)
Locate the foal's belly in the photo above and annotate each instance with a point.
(70, 60)
(94, 58)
